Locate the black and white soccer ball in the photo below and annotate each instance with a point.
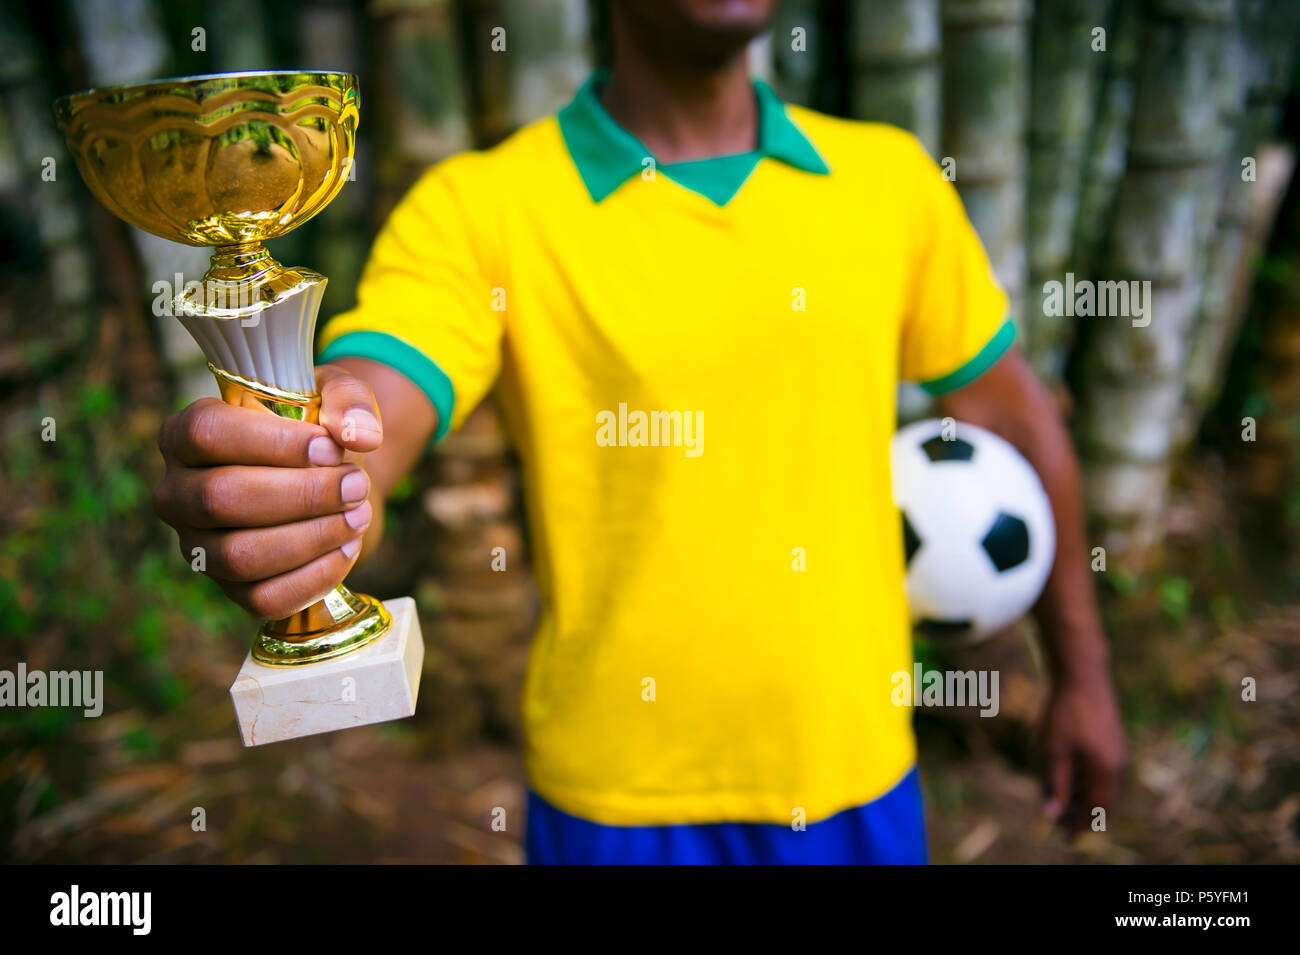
(978, 533)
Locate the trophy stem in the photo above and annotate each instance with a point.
(243, 281)
(241, 262)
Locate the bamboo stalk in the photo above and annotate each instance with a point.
(549, 54)
(895, 67)
(797, 51)
(985, 60)
(417, 110)
(1265, 466)
(1067, 73)
(27, 141)
(1269, 32)
(1133, 374)
(1109, 139)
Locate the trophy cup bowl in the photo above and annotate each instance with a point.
(228, 161)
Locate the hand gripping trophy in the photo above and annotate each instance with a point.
(227, 161)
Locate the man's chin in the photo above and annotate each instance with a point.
(714, 48)
(703, 34)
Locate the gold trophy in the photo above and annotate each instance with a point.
(228, 161)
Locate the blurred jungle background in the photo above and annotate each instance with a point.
(1122, 140)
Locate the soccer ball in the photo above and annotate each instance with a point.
(978, 534)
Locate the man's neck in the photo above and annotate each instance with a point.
(683, 115)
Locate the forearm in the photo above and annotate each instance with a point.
(1067, 613)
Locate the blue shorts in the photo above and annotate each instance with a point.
(889, 830)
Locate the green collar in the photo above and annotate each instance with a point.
(607, 155)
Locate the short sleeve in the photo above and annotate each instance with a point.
(425, 304)
(955, 323)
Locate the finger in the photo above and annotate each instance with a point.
(288, 593)
(238, 496)
(1078, 814)
(1100, 784)
(249, 555)
(211, 432)
(1058, 778)
(348, 410)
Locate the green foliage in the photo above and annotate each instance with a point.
(1123, 582)
(140, 741)
(427, 74)
(402, 490)
(91, 580)
(1274, 268)
(925, 654)
(1175, 597)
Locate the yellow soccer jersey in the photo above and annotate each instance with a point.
(698, 365)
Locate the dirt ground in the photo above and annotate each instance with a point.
(1213, 778)
(373, 795)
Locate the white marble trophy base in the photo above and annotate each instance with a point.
(379, 682)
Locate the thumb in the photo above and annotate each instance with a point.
(348, 410)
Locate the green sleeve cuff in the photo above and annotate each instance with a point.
(411, 362)
(985, 359)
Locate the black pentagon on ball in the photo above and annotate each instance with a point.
(944, 629)
(1007, 542)
(911, 542)
(937, 449)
